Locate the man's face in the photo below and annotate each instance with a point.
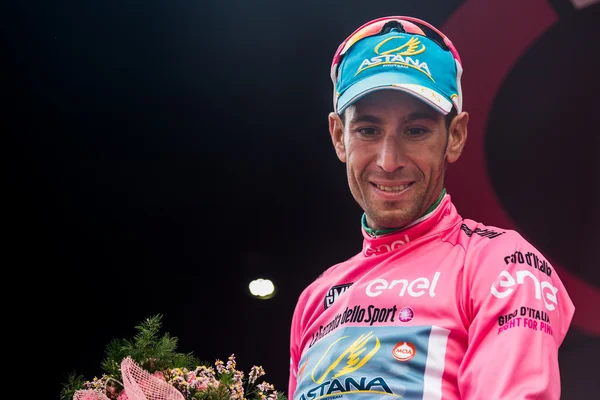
(395, 148)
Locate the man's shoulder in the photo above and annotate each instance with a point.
(333, 270)
(476, 236)
(492, 245)
(490, 250)
(329, 275)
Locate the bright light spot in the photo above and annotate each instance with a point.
(262, 288)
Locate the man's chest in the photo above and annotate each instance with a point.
(424, 289)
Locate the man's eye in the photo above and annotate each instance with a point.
(416, 131)
(367, 131)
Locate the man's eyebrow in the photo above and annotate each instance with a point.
(420, 115)
(366, 118)
(415, 116)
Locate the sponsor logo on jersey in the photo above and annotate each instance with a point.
(333, 294)
(481, 232)
(540, 324)
(415, 288)
(506, 284)
(404, 351)
(385, 248)
(356, 315)
(406, 314)
(530, 259)
(346, 355)
(524, 312)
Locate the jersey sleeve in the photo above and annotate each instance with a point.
(519, 313)
(295, 351)
(294, 358)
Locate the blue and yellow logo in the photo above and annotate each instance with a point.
(331, 367)
(353, 355)
(402, 55)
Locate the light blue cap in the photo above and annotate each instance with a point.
(396, 60)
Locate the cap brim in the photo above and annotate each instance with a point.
(394, 81)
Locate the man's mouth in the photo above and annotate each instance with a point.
(393, 189)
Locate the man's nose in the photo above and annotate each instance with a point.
(391, 154)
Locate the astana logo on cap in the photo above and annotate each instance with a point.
(398, 56)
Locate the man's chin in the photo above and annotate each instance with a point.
(392, 219)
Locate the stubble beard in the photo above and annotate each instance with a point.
(395, 214)
(388, 214)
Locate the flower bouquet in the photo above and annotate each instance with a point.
(149, 368)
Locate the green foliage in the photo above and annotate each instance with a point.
(218, 393)
(114, 353)
(281, 396)
(74, 383)
(151, 351)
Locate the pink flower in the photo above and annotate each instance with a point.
(160, 375)
(123, 396)
(191, 377)
(89, 395)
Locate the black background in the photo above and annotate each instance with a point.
(170, 152)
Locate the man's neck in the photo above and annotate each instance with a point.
(379, 232)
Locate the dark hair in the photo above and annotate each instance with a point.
(450, 116)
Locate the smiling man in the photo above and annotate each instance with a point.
(434, 306)
(396, 148)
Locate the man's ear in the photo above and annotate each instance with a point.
(457, 137)
(336, 129)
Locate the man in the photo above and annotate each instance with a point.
(434, 306)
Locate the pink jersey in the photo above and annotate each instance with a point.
(445, 309)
